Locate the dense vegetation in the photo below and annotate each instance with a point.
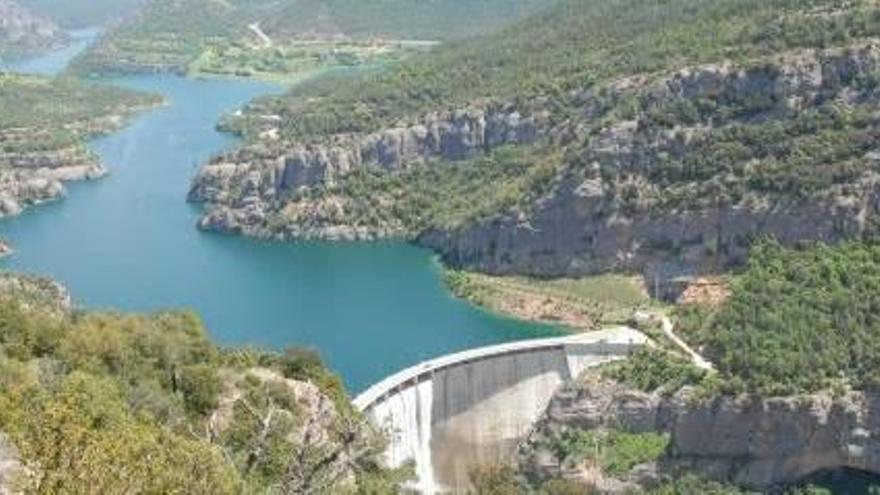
(431, 196)
(615, 452)
(571, 47)
(115, 403)
(798, 320)
(594, 73)
(43, 114)
(651, 370)
(171, 34)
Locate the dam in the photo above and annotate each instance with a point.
(474, 407)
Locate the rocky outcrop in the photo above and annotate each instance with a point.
(35, 293)
(21, 32)
(748, 441)
(34, 167)
(581, 228)
(244, 186)
(31, 178)
(609, 211)
(324, 443)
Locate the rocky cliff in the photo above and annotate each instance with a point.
(758, 443)
(36, 161)
(29, 178)
(661, 198)
(22, 32)
(246, 185)
(663, 173)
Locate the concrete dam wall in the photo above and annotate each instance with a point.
(474, 407)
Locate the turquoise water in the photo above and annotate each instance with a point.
(128, 242)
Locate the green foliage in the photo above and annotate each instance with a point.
(494, 480)
(84, 439)
(114, 403)
(200, 386)
(82, 13)
(42, 114)
(431, 196)
(35, 101)
(566, 487)
(693, 485)
(551, 57)
(651, 369)
(616, 452)
(798, 320)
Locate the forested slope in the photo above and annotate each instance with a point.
(170, 35)
(121, 403)
(597, 135)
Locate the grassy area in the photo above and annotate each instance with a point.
(581, 304)
(294, 60)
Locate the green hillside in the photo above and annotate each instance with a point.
(596, 73)
(579, 44)
(169, 35)
(121, 403)
(42, 114)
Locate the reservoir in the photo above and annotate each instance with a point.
(129, 242)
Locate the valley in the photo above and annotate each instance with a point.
(302, 186)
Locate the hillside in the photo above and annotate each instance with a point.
(43, 130)
(78, 14)
(122, 403)
(247, 37)
(598, 135)
(22, 32)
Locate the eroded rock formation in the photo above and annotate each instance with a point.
(632, 194)
(749, 441)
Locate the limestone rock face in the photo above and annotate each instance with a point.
(39, 294)
(265, 173)
(754, 442)
(34, 177)
(604, 210)
(585, 223)
(321, 437)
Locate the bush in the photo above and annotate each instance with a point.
(200, 386)
(651, 369)
(494, 480)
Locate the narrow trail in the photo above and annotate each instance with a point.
(255, 27)
(668, 330)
